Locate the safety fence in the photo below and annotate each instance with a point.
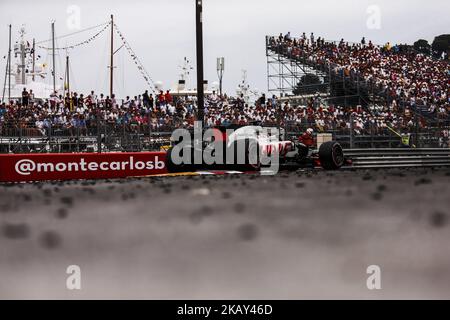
(97, 137)
(112, 137)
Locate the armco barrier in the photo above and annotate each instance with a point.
(74, 166)
(398, 158)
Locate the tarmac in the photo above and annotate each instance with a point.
(298, 235)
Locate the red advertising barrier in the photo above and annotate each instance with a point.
(75, 166)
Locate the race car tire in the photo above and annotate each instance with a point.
(252, 160)
(253, 156)
(174, 168)
(331, 155)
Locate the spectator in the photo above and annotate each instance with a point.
(146, 99)
(168, 97)
(161, 98)
(25, 97)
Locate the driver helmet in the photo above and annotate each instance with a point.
(310, 131)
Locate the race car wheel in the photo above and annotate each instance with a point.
(174, 168)
(331, 156)
(252, 160)
(253, 156)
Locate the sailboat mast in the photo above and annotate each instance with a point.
(68, 74)
(34, 58)
(4, 84)
(53, 55)
(111, 73)
(9, 65)
(22, 59)
(7, 71)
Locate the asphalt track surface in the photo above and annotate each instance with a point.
(297, 235)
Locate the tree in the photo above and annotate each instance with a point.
(441, 44)
(309, 84)
(422, 46)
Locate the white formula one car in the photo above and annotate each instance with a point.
(248, 148)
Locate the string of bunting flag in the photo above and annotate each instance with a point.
(85, 42)
(136, 60)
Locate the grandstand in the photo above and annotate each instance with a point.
(386, 82)
(363, 74)
(289, 71)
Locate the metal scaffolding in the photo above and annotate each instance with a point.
(284, 74)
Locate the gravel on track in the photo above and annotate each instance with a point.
(297, 235)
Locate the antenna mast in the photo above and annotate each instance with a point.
(22, 55)
(220, 71)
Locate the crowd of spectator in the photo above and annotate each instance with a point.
(81, 113)
(409, 79)
(405, 77)
(163, 113)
